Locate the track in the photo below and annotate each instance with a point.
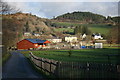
(18, 67)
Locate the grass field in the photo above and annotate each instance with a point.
(99, 28)
(81, 55)
(64, 29)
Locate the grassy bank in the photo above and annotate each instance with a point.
(5, 57)
(81, 55)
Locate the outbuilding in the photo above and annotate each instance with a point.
(55, 40)
(31, 43)
(98, 45)
(71, 39)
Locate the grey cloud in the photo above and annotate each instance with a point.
(50, 9)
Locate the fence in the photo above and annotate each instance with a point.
(75, 69)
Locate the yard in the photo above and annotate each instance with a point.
(107, 55)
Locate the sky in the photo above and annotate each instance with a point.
(50, 8)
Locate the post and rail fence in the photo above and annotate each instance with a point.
(75, 69)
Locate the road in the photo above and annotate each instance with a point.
(18, 67)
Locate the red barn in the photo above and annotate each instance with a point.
(31, 43)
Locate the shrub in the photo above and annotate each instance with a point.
(69, 53)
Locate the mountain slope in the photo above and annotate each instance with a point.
(83, 17)
(14, 25)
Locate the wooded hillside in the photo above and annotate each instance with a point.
(14, 25)
(83, 17)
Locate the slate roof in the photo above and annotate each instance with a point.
(36, 40)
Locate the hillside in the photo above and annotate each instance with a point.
(32, 20)
(116, 19)
(14, 26)
(96, 23)
(82, 17)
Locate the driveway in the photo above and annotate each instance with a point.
(18, 67)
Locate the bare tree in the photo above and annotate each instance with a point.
(5, 8)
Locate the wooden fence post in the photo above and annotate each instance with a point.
(118, 68)
(57, 70)
(88, 70)
(50, 66)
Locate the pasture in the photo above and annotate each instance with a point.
(107, 55)
(75, 66)
(95, 28)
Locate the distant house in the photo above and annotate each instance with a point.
(32, 43)
(71, 39)
(27, 34)
(84, 36)
(97, 36)
(36, 34)
(55, 40)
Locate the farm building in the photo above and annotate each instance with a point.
(27, 34)
(55, 40)
(71, 39)
(32, 43)
(98, 45)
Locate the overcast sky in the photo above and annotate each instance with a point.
(48, 9)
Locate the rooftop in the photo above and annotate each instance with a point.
(36, 40)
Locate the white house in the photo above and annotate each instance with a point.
(36, 34)
(97, 36)
(71, 39)
(27, 34)
(84, 36)
(55, 40)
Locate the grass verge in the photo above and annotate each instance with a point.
(5, 58)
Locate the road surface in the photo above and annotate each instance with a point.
(18, 67)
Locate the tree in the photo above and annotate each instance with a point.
(77, 30)
(27, 27)
(69, 53)
(113, 35)
(82, 30)
(85, 30)
(37, 29)
(5, 8)
(11, 32)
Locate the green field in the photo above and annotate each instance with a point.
(99, 28)
(64, 29)
(81, 55)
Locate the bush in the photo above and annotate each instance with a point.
(69, 53)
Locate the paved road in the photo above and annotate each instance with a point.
(18, 67)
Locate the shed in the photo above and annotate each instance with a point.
(55, 40)
(31, 43)
(98, 45)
